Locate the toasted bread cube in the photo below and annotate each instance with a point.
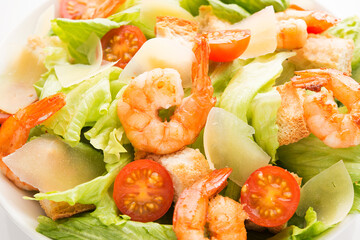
(290, 116)
(322, 51)
(57, 210)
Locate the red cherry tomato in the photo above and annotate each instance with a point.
(88, 9)
(270, 196)
(227, 45)
(143, 190)
(121, 44)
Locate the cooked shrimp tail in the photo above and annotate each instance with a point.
(14, 132)
(217, 181)
(202, 52)
(190, 211)
(335, 129)
(38, 112)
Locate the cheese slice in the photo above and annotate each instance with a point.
(50, 164)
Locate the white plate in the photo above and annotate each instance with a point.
(24, 212)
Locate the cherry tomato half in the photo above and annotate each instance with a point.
(227, 45)
(143, 190)
(121, 44)
(270, 196)
(88, 9)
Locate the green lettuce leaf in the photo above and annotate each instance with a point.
(309, 229)
(223, 73)
(256, 5)
(349, 28)
(257, 76)
(310, 156)
(86, 103)
(356, 205)
(230, 12)
(108, 135)
(192, 6)
(88, 227)
(263, 113)
(74, 33)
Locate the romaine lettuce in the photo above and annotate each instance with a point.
(300, 229)
(88, 227)
(310, 156)
(108, 135)
(230, 12)
(257, 76)
(192, 6)
(356, 205)
(86, 103)
(263, 114)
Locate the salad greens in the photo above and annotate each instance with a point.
(247, 103)
(310, 156)
(308, 228)
(90, 228)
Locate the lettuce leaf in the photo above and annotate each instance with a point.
(88, 227)
(310, 156)
(356, 205)
(349, 28)
(75, 33)
(223, 73)
(108, 135)
(253, 6)
(257, 76)
(192, 6)
(230, 12)
(86, 103)
(264, 110)
(308, 229)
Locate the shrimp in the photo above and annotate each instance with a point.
(160, 89)
(192, 210)
(292, 34)
(321, 113)
(226, 219)
(14, 132)
(316, 21)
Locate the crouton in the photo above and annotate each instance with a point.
(290, 116)
(322, 51)
(176, 28)
(57, 210)
(185, 167)
(208, 22)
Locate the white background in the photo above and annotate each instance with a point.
(13, 11)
